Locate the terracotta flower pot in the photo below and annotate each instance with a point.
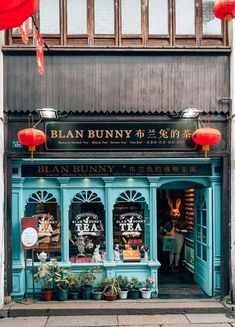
(46, 295)
(110, 297)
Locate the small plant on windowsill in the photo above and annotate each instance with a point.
(147, 290)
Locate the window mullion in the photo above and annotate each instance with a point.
(144, 21)
(117, 23)
(90, 22)
(172, 24)
(198, 21)
(63, 21)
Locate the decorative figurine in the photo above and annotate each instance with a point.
(144, 248)
(96, 255)
(174, 229)
(116, 253)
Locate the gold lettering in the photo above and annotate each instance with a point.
(79, 133)
(54, 134)
(118, 133)
(99, 133)
(69, 134)
(108, 134)
(128, 133)
(64, 169)
(60, 135)
(91, 133)
(102, 169)
(93, 169)
(76, 169)
(110, 168)
(41, 169)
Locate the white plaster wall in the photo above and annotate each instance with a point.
(1, 178)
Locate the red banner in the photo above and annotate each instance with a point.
(29, 233)
(24, 31)
(40, 53)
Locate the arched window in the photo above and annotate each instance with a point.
(86, 228)
(130, 216)
(44, 207)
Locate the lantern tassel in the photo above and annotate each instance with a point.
(32, 148)
(205, 148)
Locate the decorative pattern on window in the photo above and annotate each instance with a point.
(41, 197)
(131, 196)
(86, 196)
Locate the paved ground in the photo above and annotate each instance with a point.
(168, 320)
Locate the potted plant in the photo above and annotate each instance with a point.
(74, 281)
(87, 278)
(62, 281)
(97, 293)
(134, 285)
(123, 284)
(45, 276)
(147, 290)
(111, 288)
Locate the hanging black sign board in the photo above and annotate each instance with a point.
(124, 136)
(94, 170)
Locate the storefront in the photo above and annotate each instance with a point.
(108, 210)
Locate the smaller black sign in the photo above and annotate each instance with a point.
(95, 170)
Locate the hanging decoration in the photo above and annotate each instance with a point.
(40, 53)
(224, 9)
(24, 31)
(14, 12)
(31, 137)
(206, 136)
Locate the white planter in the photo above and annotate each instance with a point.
(123, 295)
(146, 294)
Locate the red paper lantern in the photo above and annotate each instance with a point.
(31, 137)
(14, 12)
(224, 9)
(206, 136)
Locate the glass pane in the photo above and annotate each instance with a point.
(199, 252)
(204, 253)
(49, 233)
(199, 235)
(49, 17)
(199, 217)
(128, 232)
(211, 25)
(204, 235)
(104, 16)
(87, 232)
(77, 17)
(204, 217)
(131, 17)
(158, 17)
(185, 17)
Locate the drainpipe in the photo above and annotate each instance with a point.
(232, 72)
(1, 177)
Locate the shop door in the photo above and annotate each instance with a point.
(203, 239)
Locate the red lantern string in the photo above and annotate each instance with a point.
(24, 31)
(224, 9)
(40, 53)
(206, 136)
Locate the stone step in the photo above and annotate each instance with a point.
(118, 307)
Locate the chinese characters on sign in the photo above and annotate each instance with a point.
(72, 136)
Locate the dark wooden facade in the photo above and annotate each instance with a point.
(118, 82)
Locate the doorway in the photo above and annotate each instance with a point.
(185, 242)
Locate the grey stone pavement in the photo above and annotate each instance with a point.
(170, 320)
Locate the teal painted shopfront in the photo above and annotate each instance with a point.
(118, 207)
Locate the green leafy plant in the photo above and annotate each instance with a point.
(111, 286)
(123, 282)
(62, 279)
(87, 278)
(134, 283)
(148, 283)
(74, 281)
(45, 275)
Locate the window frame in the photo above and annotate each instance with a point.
(90, 39)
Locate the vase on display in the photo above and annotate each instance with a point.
(146, 293)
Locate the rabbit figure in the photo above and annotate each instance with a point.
(174, 231)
